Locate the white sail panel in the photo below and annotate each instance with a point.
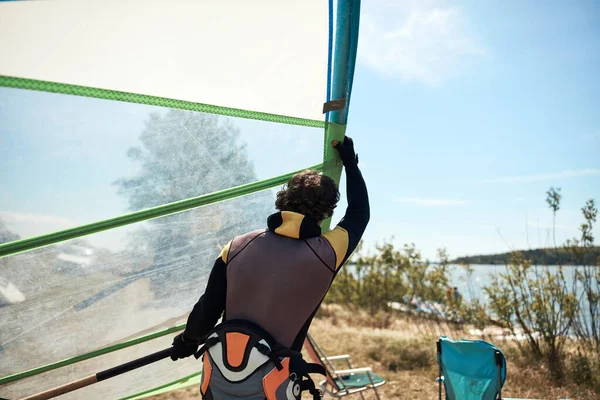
(264, 55)
(81, 160)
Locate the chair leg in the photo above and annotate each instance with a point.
(440, 383)
(376, 394)
(439, 359)
(498, 357)
(499, 384)
(372, 386)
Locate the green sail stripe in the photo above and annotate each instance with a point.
(86, 91)
(332, 164)
(87, 356)
(19, 246)
(181, 383)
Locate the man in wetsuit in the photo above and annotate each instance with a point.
(268, 285)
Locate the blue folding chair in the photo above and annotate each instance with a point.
(470, 369)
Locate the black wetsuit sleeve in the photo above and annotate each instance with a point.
(347, 234)
(210, 307)
(358, 212)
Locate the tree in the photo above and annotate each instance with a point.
(587, 276)
(6, 235)
(542, 305)
(182, 155)
(553, 197)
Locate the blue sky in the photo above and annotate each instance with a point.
(463, 114)
(466, 113)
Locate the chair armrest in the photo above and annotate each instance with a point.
(334, 358)
(352, 371)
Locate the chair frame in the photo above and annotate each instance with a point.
(333, 373)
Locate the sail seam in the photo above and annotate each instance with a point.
(189, 379)
(87, 356)
(20, 246)
(106, 94)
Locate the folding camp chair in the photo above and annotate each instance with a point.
(340, 383)
(470, 369)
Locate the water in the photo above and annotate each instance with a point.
(482, 276)
(473, 287)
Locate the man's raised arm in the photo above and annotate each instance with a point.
(347, 234)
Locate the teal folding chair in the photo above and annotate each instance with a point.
(342, 382)
(470, 369)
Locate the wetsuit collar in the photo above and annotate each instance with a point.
(294, 225)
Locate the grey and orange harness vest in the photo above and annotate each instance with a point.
(241, 360)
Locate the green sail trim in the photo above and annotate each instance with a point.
(19, 246)
(332, 164)
(91, 354)
(181, 383)
(106, 94)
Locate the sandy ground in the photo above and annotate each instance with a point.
(403, 352)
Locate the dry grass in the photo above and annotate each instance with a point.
(402, 350)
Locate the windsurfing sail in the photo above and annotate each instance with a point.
(135, 141)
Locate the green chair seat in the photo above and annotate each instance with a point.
(357, 380)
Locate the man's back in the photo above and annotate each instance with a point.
(277, 280)
(269, 285)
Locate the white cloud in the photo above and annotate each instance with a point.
(419, 41)
(10, 216)
(546, 177)
(431, 202)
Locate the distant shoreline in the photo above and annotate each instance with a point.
(547, 257)
(532, 264)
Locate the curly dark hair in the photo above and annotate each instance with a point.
(309, 193)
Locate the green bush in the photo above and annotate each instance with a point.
(527, 300)
(374, 281)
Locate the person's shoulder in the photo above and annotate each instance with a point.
(236, 244)
(250, 235)
(338, 239)
(243, 240)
